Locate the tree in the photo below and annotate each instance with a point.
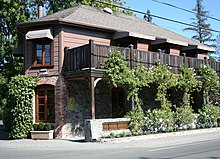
(201, 28)
(11, 13)
(148, 16)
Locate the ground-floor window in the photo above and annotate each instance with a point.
(45, 109)
(118, 102)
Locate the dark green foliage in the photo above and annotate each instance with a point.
(41, 126)
(201, 29)
(47, 127)
(18, 114)
(11, 14)
(35, 126)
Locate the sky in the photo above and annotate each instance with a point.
(213, 6)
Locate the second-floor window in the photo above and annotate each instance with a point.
(42, 52)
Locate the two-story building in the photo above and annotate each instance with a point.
(66, 50)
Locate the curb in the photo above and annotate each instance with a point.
(161, 135)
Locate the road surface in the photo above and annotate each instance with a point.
(191, 146)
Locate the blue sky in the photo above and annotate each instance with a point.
(213, 6)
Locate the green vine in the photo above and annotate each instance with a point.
(209, 83)
(187, 83)
(164, 80)
(119, 73)
(18, 114)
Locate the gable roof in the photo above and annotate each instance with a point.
(118, 22)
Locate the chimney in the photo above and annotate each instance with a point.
(40, 9)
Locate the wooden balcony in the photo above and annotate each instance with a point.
(89, 59)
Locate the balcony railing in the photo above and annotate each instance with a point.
(93, 55)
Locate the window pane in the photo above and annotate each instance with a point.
(40, 92)
(47, 46)
(49, 100)
(39, 53)
(47, 60)
(41, 100)
(41, 116)
(47, 53)
(41, 109)
(50, 92)
(39, 46)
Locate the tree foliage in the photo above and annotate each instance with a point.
(187, 83)
(164, 80)
(201, 29)
(119, 73)
(53, 6)
(11, 13)
(209, 83)
(18, 115)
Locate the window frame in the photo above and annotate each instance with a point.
(44, 88)
(43, 41)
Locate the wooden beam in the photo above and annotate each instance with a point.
(92, 96)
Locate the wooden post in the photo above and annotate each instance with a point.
(91, 56)
(131, 56)
(92, 96)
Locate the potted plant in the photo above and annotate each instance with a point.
(42, 131)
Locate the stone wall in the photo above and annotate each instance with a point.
(78, 106)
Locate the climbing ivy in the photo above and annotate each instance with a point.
(187, 83)
(164, 80)
(209, 83)
(119, 73)
(18, 114)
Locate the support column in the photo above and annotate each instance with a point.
(92, 96)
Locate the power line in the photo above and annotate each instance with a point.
(156, 16)
(183, 9)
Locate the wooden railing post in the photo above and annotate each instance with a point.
(66, 59)
(91, 53)
(131, 56)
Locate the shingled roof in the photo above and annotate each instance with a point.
(97, 18)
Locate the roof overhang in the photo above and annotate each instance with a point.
(199, 47)
(37, 34)
(122, 34)
(170, 41)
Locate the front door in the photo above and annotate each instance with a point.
(118, 102)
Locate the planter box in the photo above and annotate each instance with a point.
(42, 135)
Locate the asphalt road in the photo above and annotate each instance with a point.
(201, 146)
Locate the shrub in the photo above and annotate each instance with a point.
(208, 116)
(35, 126)
(185, 119)
(42, 126)
(18, 113)
(137, 120)
(47, 127)
(159, 120)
